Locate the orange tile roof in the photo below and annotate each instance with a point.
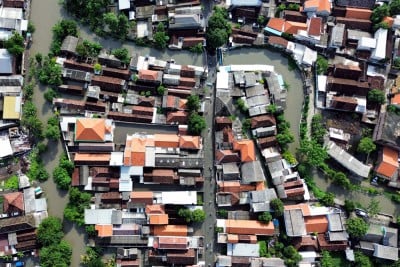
(234, 187)
(260, 186)
(104, 230)
(389, 164)
(15, 199)
(324, 5)
(249, 227)
(189, 142)
(182, 103)
(389, 21)
(141, 194)
(150, 75)
(311, 4)
(317, 224)
(358, 13)
(155, 209)
(159, 219)
(92, 157)
(246, 148)
(396, 99)
(293, 27)
(90, 129)
(170, 230)
(276, 24)
(305, 208)
(135, 150)
(166, 140)
(233, 238)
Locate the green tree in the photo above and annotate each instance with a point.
(50, 231)
(341, 179)
(97, 67)
(261, 20)
(322, 65)
(57, 253)
(198, 215)
(278, 207)
(328, 199)
(326, 260)
(15, 44)
(193, 103)
(366, 146)
(246, 125)
(123, 26)
(186, 214)
(31, 27)
(356, 227)
(122, 54)
(50, 73)
(50, 94)
(379, 13)
(312, 153)
(52, 132)
(111, 20)
(265, 217)
(160, 37)
(223, 213)
(196, 123)
(291, 256)
(394, 7)
(62, 178)
(373, 207)
(349, 205)
(160, 90)
(12, 183)
(318, 130)
(362, 260)
(39, 58)
(218, 30)
(396, 63)
(78, 202)
(376, 96)
(241, 105)
(381, 25)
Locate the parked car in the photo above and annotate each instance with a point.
(361, 213)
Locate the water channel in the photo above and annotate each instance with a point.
(45, 13)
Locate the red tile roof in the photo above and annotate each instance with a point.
(276, 40)
(13, 202)
(292, 27)
(158, 219)
(104, 230)
(149, 75)
(316, 224)
(189, 142)
(315, 26)
(358, 13)
(249, 227)
(276, 24)
(170, 230)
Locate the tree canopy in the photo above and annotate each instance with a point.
(379, 13)
(312, 152)
(326, 260)
(193, 103)
(50, 231)
(357, 227)
(59, 253)
(265, 217)
(322, 64)
(15, 44)
(160, 37)
(197, 215)
(362, 260)
(277, 206)
(78, 202)
(376, 96)
(394, 7)
(366, 145)
(218, 30)
(196, 123)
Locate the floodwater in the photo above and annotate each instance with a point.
(295, 99)
(44, 14)
(295, 95)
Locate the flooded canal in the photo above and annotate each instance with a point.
(295, 97)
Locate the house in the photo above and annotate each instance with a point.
(319, 7)
(14, 3)
(177, 117)
(69, 44)
(260, 199)
(337, 36)
(263, 121)
(247, 227)
(246, 149)
(13, 204)
(12, 107)
(355, 24)
(388, 165)
(387, 130)
(226, 156)
(186, 22)
(150, 77)
(93, 130)
(347, 160)
(379, 51)
(109, 84)
(170, 230)
(294, 16)
(278, 42)
(6, 62)
(368, 4)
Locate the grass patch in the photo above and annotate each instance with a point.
(200, 200)
(339, 259)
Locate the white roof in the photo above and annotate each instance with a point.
(40, 204)
(117, 159)
(179, 197)
(124, 4)
(310, 56)
(64, 121)
(6, 149)
(5, 34)
(321, 79)
(366, 43)
(11, 13)
(222, 80)
(24, 25)
(150, 157)
(243, 250)
(5, 62)
(379, 52)
(98, 216)
(142, 29)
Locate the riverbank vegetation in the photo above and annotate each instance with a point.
(62, 173)
(54, 249)
(75, 209)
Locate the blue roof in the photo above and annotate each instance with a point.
(246, 2)
(273, 31)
